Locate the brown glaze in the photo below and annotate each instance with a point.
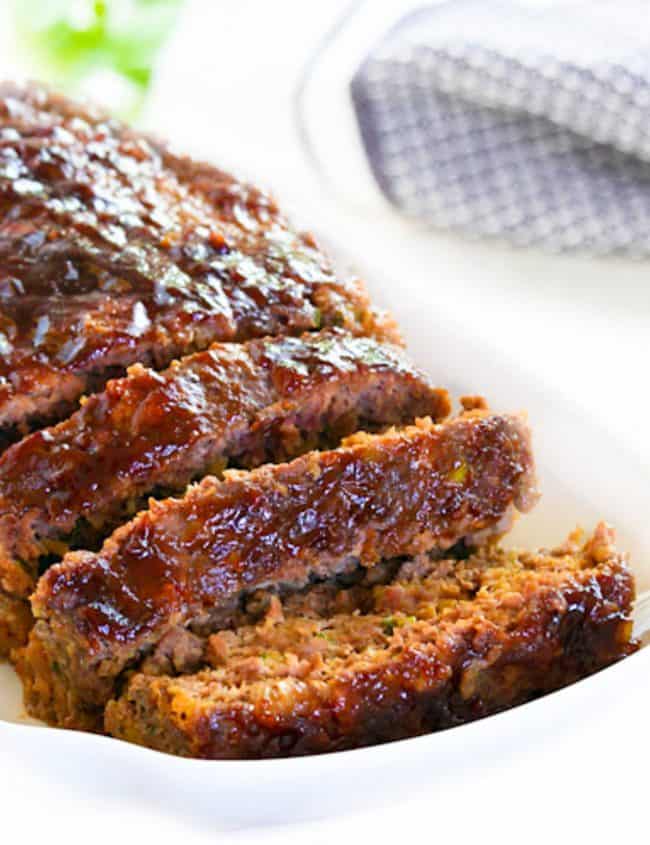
(265, 400)
(115, 250)
(535, 623)
(403, 492)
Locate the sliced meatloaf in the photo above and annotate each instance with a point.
(192, 561)
(443, 643)
(114, 250)
(265, 400)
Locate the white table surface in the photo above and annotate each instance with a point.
(224, 88)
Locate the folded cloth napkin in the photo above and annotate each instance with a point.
(526, 121)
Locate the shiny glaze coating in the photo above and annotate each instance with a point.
(264, 400)
(405, 492)
(115, 250)
(535, 623)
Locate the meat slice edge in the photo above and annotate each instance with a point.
(443, 646)
(190, 561)
(262, 401)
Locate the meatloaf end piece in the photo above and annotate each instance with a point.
(191, 561)
(266, 400)
(449, 644)
(114, 250)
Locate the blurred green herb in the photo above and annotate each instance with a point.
(84, 43)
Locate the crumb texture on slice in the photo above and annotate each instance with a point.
(443, 643)
(191, 561)
(15, 623)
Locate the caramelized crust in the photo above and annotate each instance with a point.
(442, 644)
(190, 561)
(266, 400)
(115, 250)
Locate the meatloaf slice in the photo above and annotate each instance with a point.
(446, 642)
(192, 561)
(266, 400)
(114, 250)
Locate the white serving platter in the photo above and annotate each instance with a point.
(585, 475)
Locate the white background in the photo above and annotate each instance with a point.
(225, 87)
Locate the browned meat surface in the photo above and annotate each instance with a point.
(442, 643)
(191, 561)
(113, 250)
(266, 400)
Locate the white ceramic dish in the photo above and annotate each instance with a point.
(584, 474)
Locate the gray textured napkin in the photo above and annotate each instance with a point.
(528, 123)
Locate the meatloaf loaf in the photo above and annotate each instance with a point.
(115, 250)
(443, 643)
(193, 561)
(265, 400)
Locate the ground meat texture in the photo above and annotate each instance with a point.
(443, 647)
(115, 250)
(265, 400)
(179, 651)
(192, 561)
(15, 622)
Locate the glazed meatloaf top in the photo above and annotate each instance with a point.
(115, 250)
(441, 643)
(265, 400)
(190, 561)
